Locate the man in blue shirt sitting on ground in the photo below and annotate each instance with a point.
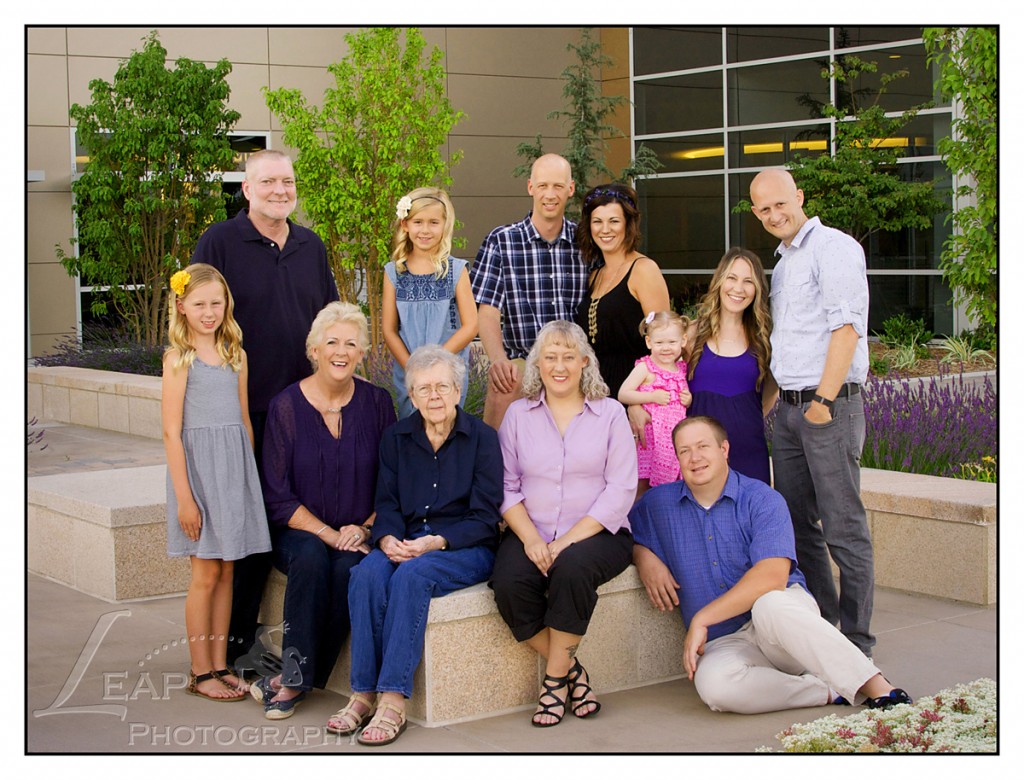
(720, 547)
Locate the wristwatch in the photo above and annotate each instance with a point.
(827, 403)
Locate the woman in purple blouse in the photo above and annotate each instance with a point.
(320, 460)
(570, 479)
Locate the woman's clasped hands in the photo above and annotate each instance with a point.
(400, 551)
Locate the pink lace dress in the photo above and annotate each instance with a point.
(657, 461)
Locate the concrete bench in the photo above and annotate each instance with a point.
(104, 533)
(933, 535)
(127, 403)
(473, 668)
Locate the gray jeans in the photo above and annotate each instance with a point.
(817, 470)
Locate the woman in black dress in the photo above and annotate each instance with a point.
(624, 285)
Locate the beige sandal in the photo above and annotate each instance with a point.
(391, 727)
(346, 720)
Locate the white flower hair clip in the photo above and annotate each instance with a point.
(649, 318)
(402, 211)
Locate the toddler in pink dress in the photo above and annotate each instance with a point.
(659, 383)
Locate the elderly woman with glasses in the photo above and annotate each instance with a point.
(439, 489)
(570, 478)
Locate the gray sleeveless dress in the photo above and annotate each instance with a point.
(221, 472)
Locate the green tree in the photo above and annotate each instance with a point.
(967, 60)
(156, 138)
(586, 117)
(859, 187)
(378, 134)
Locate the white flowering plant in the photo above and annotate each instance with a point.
(961, 719)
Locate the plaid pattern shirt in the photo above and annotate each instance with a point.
(530, 281)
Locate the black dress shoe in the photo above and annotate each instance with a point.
(896, 696)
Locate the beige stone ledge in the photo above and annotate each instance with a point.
(127, 403)
(933, 535)
(104, 533)
(920, 495)
(628, 644)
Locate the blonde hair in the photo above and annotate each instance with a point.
(228, 337)
(401, 243)
(571, 336)
(757, 317)
(335, 312)
(657, 320)
(261, 155)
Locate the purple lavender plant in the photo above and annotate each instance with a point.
(930, 426)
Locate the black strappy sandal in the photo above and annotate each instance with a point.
(578, 691)
(551, 684)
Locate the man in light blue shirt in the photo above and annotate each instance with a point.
(820, 360)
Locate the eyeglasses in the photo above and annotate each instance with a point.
(425, 391)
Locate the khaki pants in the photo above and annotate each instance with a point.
(786, 656)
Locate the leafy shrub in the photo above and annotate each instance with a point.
(880, 365)
(930, 426)
(106, 348)
(905, 356)
(901, 331)
(962, 350)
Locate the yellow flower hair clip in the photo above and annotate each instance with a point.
(179, 282)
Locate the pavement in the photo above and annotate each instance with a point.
(109, 678)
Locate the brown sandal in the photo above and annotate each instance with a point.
(194, 681)
(382, 722)
(220, 674)
(349, 721)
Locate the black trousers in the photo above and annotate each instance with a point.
(250, 574)
(565, 599)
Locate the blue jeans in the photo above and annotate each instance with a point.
(315, 606)
(389, 603)
(817, 470)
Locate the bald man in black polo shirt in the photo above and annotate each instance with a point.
(280, 279)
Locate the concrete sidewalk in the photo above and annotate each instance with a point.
(108, 677)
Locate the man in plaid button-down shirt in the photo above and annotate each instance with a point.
(525, 275)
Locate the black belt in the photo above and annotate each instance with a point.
(798, 397)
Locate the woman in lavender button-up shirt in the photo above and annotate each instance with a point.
(570, 479)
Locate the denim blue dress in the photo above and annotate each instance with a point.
(427, 314)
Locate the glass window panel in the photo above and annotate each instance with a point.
(918, 297)
(918, 137)
(683, 222)
(692, 153)
(762, 43)
(245, 145)
(777, 145)
(744, 228)
(847, 37)
(679, 103)
(664, 49)
(914, 248)
(778, 92)
(236, 198)
(685, 291)
(917, 87)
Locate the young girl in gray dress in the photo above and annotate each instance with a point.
(427, 298)
(215, 512)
